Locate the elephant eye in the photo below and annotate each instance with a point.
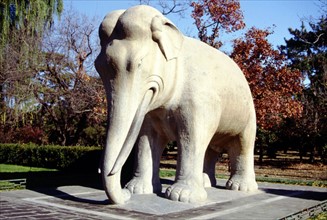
(132, 66)
(141, 60)
(140, 63)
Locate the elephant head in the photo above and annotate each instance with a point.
(137, 45)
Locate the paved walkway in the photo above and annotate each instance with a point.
(271, 201)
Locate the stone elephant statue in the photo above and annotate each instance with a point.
(163, 86)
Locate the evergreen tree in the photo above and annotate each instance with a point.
(307, 51)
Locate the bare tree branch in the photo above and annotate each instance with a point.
(312, 43)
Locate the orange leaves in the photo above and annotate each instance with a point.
(213, 16)
(274, 86)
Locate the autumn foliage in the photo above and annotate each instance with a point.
(214, 16)
(274, 85)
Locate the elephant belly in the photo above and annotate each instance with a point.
(164, 123)
(220, 142)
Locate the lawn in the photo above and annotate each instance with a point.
(14, 176)
(36, 177)
(9, 168)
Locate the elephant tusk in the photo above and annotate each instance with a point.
(134, 130)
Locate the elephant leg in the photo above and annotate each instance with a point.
(209, 167)
(241, 157)
(192, 144)
(149, 149)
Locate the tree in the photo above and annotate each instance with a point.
(306, 51)
(214, 16)
(169, 7)
(22, 59)
(36, 15)
(275, 86)
(70, 98)
(52, 95)
(24, 21)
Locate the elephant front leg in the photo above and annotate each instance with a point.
(146, 177)
(188, 186)
(189, 183)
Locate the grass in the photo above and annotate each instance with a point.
(321, 216)
(316, 183)
(17, 172)
(12, 184)
(9, 168)
(43, 176)
(167, 173)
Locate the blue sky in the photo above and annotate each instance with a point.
(277, 14)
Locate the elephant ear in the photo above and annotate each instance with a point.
(108, 25)
(168, 37)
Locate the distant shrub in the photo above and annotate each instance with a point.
(26, 134)
(51, 156)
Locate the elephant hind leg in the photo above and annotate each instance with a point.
(241, 156)
(209, 168)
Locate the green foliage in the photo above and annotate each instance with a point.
(48, 93)
(266, 143)
(55, 157)
(94, 136)
(321, 216)
(22, 26)
(36, 14)
(9, 168)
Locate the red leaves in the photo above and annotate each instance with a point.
(274, 86)
(217, 15)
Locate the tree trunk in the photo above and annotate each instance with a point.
(260, 154)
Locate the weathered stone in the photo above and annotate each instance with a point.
(162, 86)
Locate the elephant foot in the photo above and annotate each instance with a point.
(139, 185)
(185, 192)
(245, 183)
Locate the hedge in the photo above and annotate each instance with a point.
(51, 156)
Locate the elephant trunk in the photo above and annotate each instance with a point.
(124, 125)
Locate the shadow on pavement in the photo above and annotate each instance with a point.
(56, 193)
(298, 193)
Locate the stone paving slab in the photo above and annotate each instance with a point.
(271, 201)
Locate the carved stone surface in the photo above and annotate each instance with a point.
(163, 86)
